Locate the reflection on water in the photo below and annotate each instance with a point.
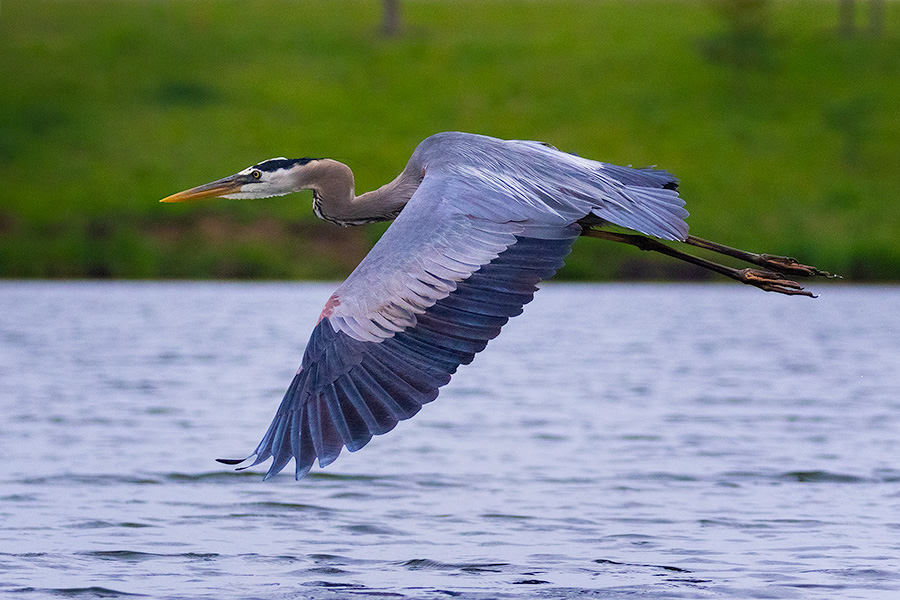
(616, 440)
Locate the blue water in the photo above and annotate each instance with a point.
(616, 441)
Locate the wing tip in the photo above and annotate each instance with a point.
(237, 461)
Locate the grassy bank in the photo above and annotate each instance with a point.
(785, 134)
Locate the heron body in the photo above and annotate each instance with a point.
(478, 222)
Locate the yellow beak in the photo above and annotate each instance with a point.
(216, 189)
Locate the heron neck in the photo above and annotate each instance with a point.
(334, 198)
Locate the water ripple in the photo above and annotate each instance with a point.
(98, 524)
(418, 564)
(88, 592)
(137, 556)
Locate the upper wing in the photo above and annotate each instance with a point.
(544, 185)
(435, 288)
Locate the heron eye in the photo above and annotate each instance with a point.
(256, 174)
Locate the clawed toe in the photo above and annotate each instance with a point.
(772, 281)
(790, 266)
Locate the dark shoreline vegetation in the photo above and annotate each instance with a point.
(783, 131)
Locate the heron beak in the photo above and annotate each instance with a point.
(216, 189)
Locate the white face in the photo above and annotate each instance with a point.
(267, 179)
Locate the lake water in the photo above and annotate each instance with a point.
(616, 441)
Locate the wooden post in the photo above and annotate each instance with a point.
(390, 23)
(847, 11)
(876, 17)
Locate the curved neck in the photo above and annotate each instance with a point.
(334, 198)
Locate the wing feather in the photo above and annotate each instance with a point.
(377, 398)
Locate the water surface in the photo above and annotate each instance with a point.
(616, 441)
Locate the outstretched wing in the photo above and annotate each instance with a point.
(435, 288)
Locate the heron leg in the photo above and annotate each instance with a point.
(771, 279)
(782, 264)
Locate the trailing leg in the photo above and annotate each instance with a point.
(771, 279)
(782, 264)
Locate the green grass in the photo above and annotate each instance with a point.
(786, 141)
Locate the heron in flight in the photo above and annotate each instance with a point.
(478, 222)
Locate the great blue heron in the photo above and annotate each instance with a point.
(478, 222)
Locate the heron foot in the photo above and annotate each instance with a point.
(771, 281)
(791, 266)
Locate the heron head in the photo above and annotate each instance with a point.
(273, 177)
